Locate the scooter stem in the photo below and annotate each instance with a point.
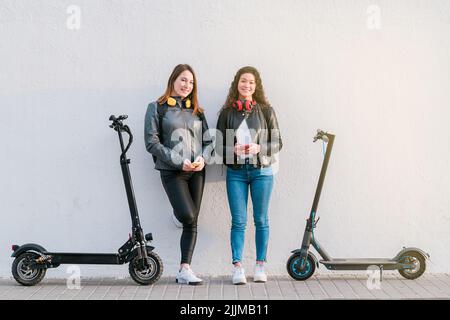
(322, 136)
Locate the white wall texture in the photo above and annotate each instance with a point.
(375, 73)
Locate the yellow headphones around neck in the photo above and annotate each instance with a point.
(172, 102)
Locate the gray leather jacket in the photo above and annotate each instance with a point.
(182, 135)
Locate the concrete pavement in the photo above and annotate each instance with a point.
(318, 287)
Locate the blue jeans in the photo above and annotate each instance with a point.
(260, 181)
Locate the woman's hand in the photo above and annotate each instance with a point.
(187, 165)
(239, 149)
(253, 148)
(242, 149)
(199, 163)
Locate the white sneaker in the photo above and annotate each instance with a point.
(187, 276)
(176, 222)
(239, 275)
(259, 275)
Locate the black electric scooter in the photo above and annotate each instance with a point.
(32, 260)
(410, 262)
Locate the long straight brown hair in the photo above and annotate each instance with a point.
(192, 96)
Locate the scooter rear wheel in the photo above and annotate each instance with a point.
(22, 271)
(417, 260)
(293, 266)
(149, 275)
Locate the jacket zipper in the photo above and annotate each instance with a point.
(188, 136)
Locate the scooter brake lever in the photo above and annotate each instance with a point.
(315, 222)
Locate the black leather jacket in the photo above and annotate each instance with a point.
(175, 145)
(263, 125)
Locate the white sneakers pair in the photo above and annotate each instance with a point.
(259, 274)
(187, 276)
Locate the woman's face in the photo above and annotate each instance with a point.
(183, 85)
(246, 86)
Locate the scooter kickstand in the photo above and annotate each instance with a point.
(381, 273)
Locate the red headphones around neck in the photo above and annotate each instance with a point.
(248, 105)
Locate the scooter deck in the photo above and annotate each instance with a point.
(83, 258)
(360, 264)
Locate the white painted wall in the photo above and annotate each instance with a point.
(375, 73)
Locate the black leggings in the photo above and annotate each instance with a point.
(185, 191)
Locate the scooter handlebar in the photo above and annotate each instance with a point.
(119, 127)
(117, 122)
(122, 117)
(321, 135)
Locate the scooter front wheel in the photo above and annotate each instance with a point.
(293, 267)
(23, 273)
(149, 274)
(417, 260)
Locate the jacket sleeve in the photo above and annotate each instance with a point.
(226, 147)
(272, 143)
(152, 139)
(206, 138)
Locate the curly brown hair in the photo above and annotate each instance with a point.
(259, 95)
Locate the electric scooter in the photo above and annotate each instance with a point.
(410, 262)
(145, 266)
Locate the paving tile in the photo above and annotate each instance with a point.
(323, 286)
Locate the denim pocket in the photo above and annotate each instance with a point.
(267, 171)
